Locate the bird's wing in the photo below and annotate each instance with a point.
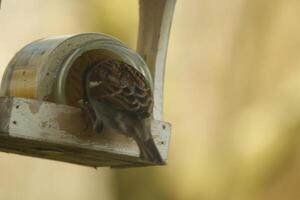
(121, 85)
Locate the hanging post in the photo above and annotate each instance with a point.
(153, 38)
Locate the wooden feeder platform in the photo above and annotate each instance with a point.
(58, 132)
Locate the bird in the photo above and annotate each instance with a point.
(122, 99)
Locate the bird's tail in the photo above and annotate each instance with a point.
(149, 151)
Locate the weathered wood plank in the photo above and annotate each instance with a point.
(5, 110)
(58, 132)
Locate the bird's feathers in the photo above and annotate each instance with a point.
(149, 150)
(122, 99)
(123, 86)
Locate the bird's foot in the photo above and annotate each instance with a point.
(98, 126)
(89, 116)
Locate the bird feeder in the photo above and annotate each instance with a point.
(41, 86)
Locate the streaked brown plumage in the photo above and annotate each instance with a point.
(123, 86)
(122, 99)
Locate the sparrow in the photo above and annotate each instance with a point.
(122, 99)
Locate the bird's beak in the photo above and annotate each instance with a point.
(93, 84)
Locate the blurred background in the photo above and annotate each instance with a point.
(232, 94)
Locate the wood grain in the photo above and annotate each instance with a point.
(56, 131)
(154, 30)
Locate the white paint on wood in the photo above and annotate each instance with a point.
(39, 121)
(154, 29)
